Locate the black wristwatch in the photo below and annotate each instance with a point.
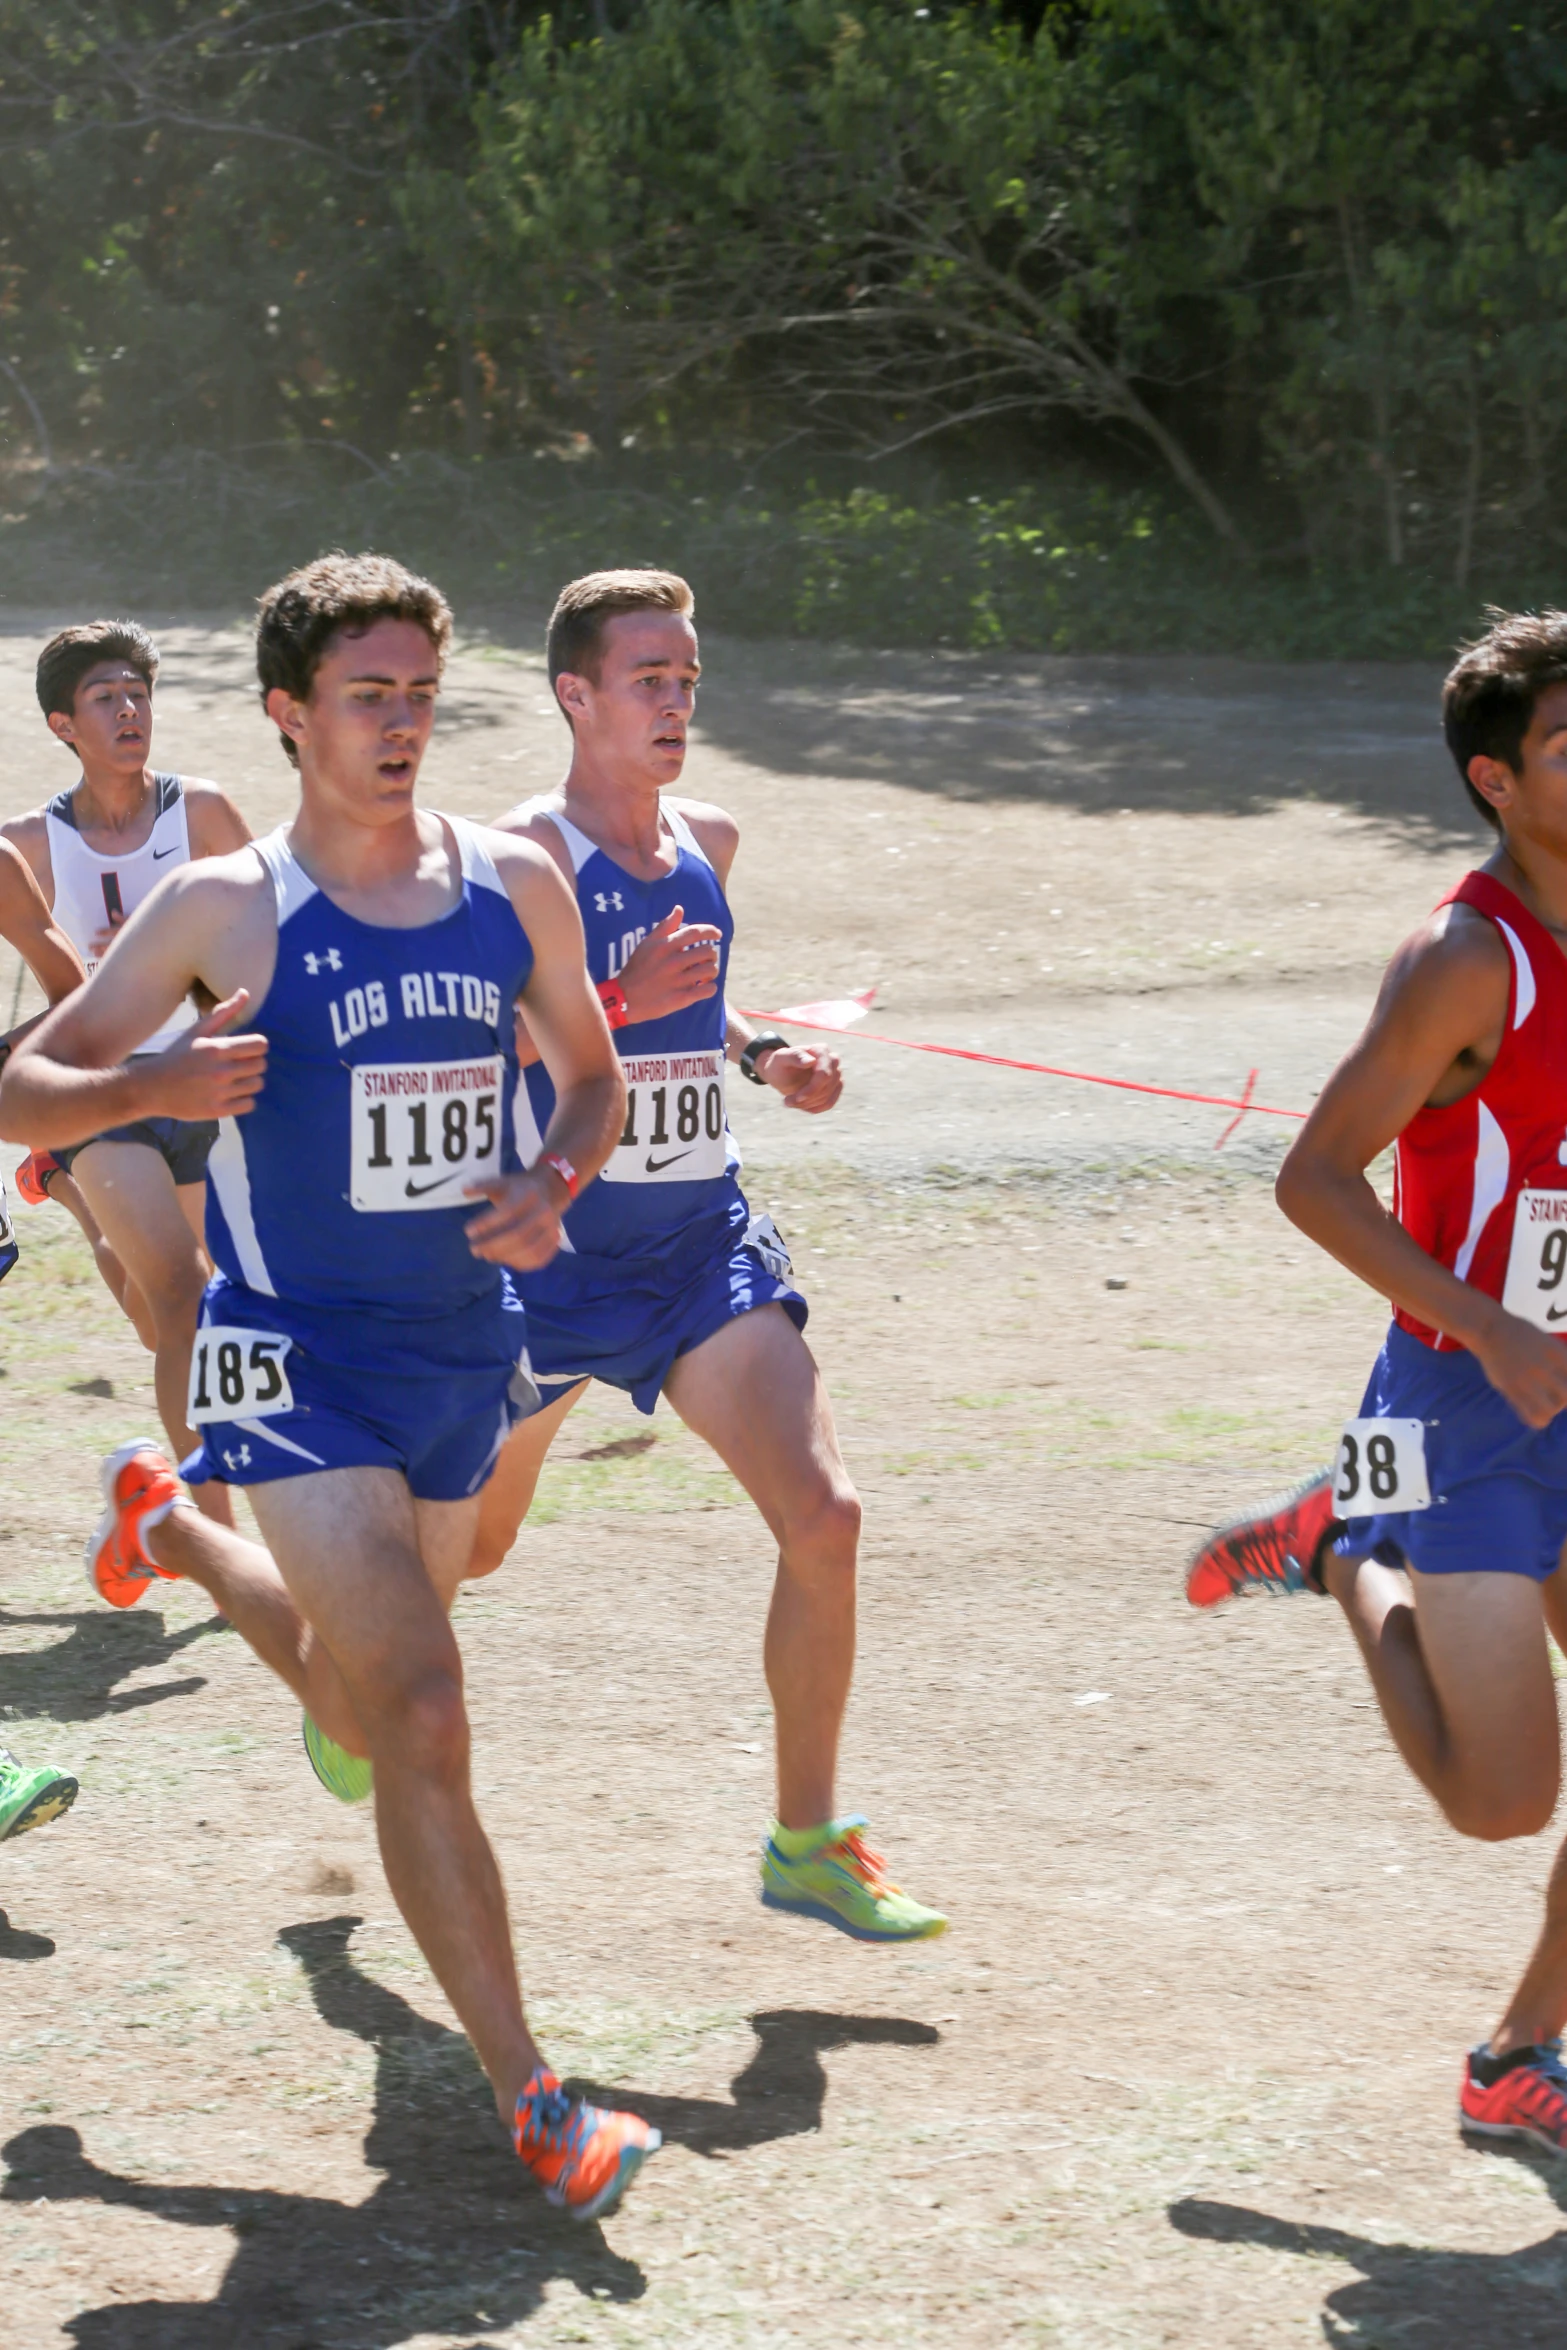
(763, 1043)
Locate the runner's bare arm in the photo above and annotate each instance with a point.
(565, 1018)
(211, 926)
(30, 834)
(28, 925)
(1435, 1030)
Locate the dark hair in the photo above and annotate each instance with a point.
(66, 659)
(297, 620)
(1489, 694)
(583, 610)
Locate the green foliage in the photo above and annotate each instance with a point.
(1285, 278)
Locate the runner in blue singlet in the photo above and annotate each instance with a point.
(666, 1284)
(358, 1359)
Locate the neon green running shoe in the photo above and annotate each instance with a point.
(838, 1879)
(347, 1776)
(30, 1799)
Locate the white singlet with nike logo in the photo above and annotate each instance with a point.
(92, 891)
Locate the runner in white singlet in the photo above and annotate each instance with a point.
(97, 850)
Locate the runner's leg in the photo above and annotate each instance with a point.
(66, 1193)
(130, 1191)
(1461, 1672)
(508, 1497)
(242, 1579)
(753, 1392)
(361, 1559)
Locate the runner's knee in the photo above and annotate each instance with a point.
(1500, 1815)
(822, 1523)
(419, 1720)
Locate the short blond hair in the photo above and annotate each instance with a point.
(583, 610)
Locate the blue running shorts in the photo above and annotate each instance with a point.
(434, 1399)
(1498, 1487)
(627, 1320)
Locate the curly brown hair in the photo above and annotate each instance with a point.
(297, 619)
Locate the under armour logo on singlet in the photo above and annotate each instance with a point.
(604, 903)
(330, 961)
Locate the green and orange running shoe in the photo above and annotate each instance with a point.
(139, 1490)
(350, 1777)
(831, 1873)
(583, 2158)
(1276, 1547)
(31, 1798)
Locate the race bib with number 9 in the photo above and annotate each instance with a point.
(422, 1132)
(1381, 1467)
(238, 1375)
(1536, 1285)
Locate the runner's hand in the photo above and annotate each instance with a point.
(208, 1075)
(104, 938)
(521, 1227)
(675, 965)
(808, 1078)
(1526, 1366)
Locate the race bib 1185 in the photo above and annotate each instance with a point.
(674, 1130)
(421, 1132)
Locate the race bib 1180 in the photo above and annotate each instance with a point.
(1381, 1468)
(238, 1375)
(422, 1132)
(674, 1131)
(1536, 1287)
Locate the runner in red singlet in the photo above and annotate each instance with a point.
(1441, 1530)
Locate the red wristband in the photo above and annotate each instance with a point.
(563, 1168)
(613, 998)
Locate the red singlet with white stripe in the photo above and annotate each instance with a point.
(1459, 1168)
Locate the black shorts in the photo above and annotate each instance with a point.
(181, 1143)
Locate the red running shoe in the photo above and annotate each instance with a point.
(1272, 1548)
(139, 1489)
(1520, 2095)
(582, 2158)
(32, 1177)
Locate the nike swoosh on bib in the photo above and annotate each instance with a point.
(1556, 1313)
(418, 1190)
(657, 1166)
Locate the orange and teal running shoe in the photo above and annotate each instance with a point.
(831, 1873)
(582, 2158)
(32, 1177)
(139, 1490)
(1276, 1547)
(1520, 2095)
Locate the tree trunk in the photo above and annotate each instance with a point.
(1471, 497)
(1185, 472)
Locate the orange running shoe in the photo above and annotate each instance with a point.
(1276, 1547)
(1520, 2095)
(32, 1177)
(582, 2158)
(139, 1489)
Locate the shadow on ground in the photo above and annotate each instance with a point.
(18, 1942)
(1417, 2292)
(1098, 733)
(77, 1679)
(454, 2239)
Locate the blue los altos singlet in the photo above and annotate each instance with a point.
(390, 1076)
(673, 1177)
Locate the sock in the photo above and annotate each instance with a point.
(795, 1843)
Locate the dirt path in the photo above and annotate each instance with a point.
(1183, 2073)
